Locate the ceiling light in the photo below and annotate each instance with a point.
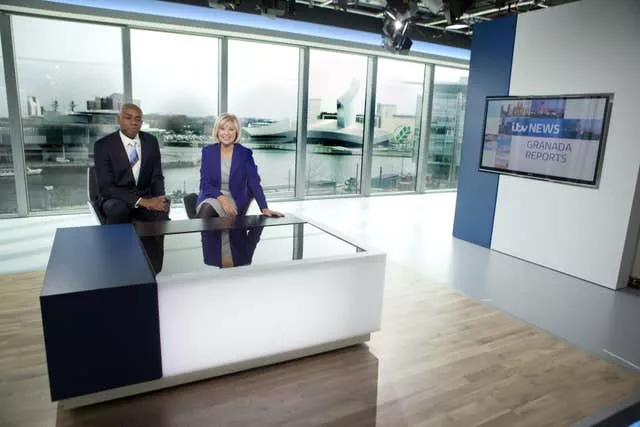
(457, 26)
(394, 28)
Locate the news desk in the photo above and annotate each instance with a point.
(130, 309)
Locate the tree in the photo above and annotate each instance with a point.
(176, 124)
(402, 134)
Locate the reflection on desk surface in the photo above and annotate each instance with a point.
(203, 250)
(230, 248)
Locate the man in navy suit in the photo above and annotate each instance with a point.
(129, 173)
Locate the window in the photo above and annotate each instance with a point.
(177, 89)
(263, 93)
(8, 202)
(70, 82)
(337, 86)
(397, 125)
(447, 121)
(70, 86)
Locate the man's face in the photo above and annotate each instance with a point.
(130, 120)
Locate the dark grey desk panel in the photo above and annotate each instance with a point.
(99, 306)
(212, 224)
(97, 257)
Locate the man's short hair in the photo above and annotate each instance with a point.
(130, 106)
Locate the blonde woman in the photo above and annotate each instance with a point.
(228, 174)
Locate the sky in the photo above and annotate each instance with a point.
(177, 74)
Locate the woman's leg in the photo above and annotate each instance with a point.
(207, 211)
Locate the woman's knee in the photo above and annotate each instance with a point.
(207, 211)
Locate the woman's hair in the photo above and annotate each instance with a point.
(226, 118)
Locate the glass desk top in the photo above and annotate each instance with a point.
(190, 246)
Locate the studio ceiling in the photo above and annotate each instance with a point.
(430, 19)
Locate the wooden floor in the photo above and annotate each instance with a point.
(440, 359)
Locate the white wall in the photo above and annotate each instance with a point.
(635, 271)
(590, 46)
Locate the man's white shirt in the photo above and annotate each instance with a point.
(136, 143)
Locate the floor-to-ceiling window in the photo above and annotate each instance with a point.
(71, 83)
(397, 125)
(337, 86)
(8, 201)
(70, 86)
(263, 93)
(447, 121)
(177, 88)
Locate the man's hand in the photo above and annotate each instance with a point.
(228, 206)
(269, 212)
(158, 203)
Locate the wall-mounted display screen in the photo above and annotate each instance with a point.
(547, 137)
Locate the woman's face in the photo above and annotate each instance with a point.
(227, 133)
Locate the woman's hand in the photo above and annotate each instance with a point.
(269, 212)
(228, 206)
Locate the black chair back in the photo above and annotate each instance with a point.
(190, 204)
(93, 195)
(92, 184)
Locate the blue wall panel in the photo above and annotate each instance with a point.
(489, 74)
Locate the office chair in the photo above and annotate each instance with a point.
(190, 204)
(92, 193)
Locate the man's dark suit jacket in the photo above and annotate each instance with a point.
(115, 178)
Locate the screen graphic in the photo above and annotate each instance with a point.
(558, 138)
